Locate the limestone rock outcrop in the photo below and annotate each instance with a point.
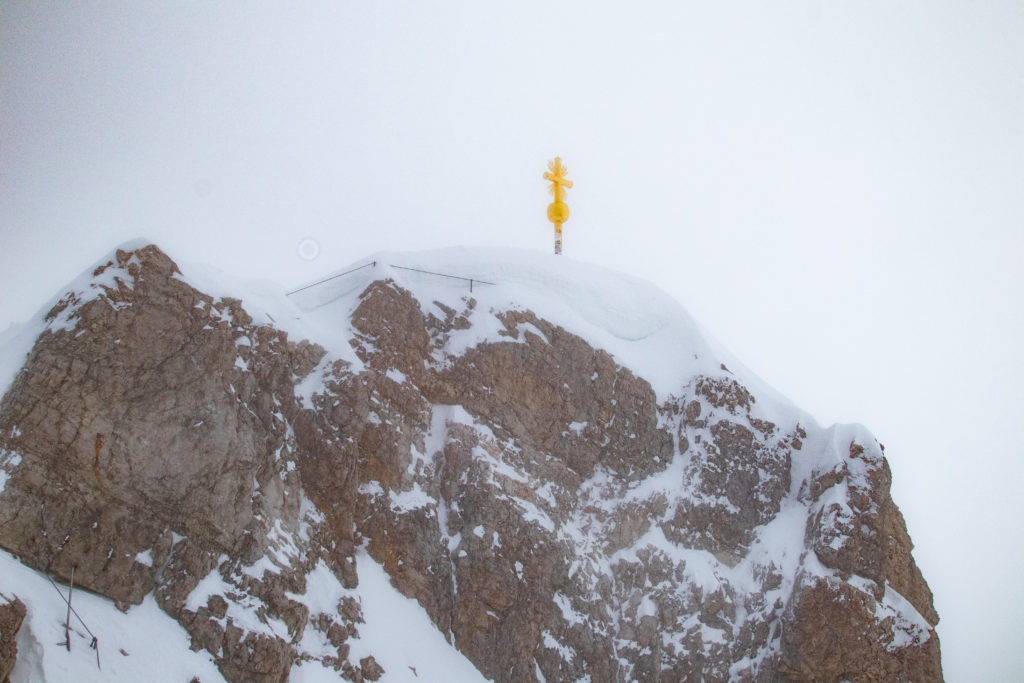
(12, 614)
(554, 517)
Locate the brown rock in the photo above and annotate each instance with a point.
(831, 635)
(372, 671)
(529, 493)
(12, 614)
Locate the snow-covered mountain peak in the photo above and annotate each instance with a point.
(556, 464)
(642, 327)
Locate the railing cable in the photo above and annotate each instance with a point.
(328, 279)
(471, 280)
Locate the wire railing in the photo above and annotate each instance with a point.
(454, 277)
(470, 280)
(328, 279)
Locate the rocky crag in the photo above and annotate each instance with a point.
(555, 516)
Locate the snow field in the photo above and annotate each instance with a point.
(145, 644)
(398, 632)
(142, 644)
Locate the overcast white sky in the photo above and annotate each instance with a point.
(834, 189)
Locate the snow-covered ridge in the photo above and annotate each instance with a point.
(486, 431)
(626, 316)
(645, 330)
(642, 327)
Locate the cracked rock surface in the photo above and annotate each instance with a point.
(554, 516)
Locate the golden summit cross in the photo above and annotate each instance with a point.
(558, 210)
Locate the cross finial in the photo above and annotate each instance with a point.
(558, 210)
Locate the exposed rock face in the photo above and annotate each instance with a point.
(12, 614)
(551, 516)
(152, 427)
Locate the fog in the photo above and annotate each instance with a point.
(832, 189)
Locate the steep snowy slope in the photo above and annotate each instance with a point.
(554, 461)
(145, 643)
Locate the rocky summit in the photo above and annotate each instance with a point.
(551, 460)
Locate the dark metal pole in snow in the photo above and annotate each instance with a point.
(67, 619)
(95, 640)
